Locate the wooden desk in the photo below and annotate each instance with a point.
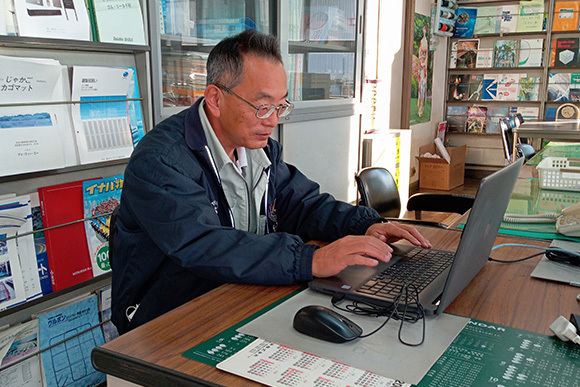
(152, 354)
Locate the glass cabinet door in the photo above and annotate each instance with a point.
(321, 49)
(187, 31)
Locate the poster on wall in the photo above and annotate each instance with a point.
(422, 71)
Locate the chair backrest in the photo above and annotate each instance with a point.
(112, 234)
(567, 111)
(378, 190)
(507, 137)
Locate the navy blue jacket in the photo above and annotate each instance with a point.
(175, 239)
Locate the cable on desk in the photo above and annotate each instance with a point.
(401, 301)
(553, 253)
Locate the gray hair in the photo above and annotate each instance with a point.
(225, 62)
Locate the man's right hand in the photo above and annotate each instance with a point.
(350, 250)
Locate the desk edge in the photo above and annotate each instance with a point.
(141, 372)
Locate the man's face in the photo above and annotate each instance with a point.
(263, 82)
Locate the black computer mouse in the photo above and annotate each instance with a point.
(325, 324)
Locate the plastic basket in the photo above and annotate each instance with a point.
(559, 173)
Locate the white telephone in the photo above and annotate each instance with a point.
(567, 222)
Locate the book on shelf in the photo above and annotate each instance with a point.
(459, 87)
(467, 53)
(527, 112)
(529, 88)
(566, 15)
(575, 87)
(508, 87)
(100, 197)
(531, 16)
(508, 18)
(485, 54)
(17, 347)
(107, 123)
(475, 87)
(465, 22)
(531, 52)
(40, 245)
(566, 54)
(68, 333)
(12, 289)
(504, 53)
(476, 119)
(118, 21)
(456, 118)
(36, 137)
(490, 82)
(453, 55)
(487, 21)
(325, 23)
(68, 254)
(16, 217)
(550, 114)
(67, 19)
(441, 129)
(494, 114)
(109, 329)
(559, 87)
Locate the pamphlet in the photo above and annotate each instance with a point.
(72, 331)
(100, 197)
(107, 122)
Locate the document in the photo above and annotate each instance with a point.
(15, 343)
(11, 284)
(19, 211)
(119, 21)
(34, 137)
(68, 363)
(61, 19)
(106, 124)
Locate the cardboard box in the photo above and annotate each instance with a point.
(437, 173)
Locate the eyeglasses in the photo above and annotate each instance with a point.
(264, 111)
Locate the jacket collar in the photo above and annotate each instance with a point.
(194, 135)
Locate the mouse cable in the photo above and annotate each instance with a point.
(362, 308)
(553, 253)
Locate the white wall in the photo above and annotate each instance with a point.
(390, 72)
(326, 151)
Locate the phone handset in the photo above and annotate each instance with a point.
(568, 223)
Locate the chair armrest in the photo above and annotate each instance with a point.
(440, 202)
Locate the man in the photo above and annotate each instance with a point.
(208, 200)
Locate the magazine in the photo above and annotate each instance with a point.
(100, 197)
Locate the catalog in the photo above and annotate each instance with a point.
(36, 137)
(68, 19)
(119, 21)
(100, 197)
(18, 209)
(68, 360)
(107, 123)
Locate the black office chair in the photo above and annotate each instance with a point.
(378, 190)
(522, 150)
(112, 233)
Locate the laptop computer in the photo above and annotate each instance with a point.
(436, 292)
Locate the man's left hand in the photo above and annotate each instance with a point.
(393, 231)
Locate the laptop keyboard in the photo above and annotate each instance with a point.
(419, 269)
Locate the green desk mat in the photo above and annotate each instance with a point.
(482, 355)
